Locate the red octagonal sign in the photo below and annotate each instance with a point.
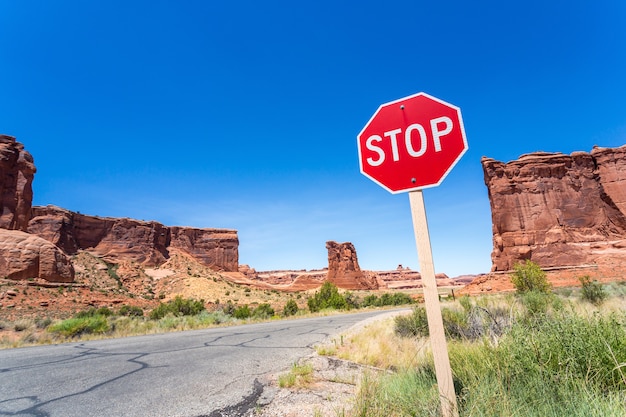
(412, 143)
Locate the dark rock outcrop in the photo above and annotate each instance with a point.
(557, 209)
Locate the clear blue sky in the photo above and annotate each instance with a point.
(244, 114)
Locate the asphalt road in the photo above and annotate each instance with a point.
(212, 372)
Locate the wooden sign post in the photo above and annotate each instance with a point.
(438, 343)
(407, 145)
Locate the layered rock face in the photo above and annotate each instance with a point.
(557, 209)
(55, 232)
(344, 270)
(17, 171)
(24, 256)
(147, 243)
(216, 248)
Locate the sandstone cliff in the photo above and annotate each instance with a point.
(17, 171)
(24, 256)
(120, 239)
(113, 239)
(557, 209)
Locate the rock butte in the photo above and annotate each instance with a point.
(567, 213)
(556, 209)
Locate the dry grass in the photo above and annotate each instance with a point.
(377, 345)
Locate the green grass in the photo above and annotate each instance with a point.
(551, 357)
(298, 376)
(81, 325)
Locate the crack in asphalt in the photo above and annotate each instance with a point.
(240, 409)
(34, 409)
(81, 353)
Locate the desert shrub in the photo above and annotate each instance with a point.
(186, 307)
(536, 303)
(21, 325)
(229, 308)
(42, 323)
(411, 325)
(565, 346)
(455, 323)
(387, 299)
(160, 311)
(291, 308)
(395, 299)
(242, 312)
(528, 276)
(112, 272)
(400, 298)
(352, 300)
(92, 312)
(371, 300)
(472, 323)
(77, 326)
(263, 311)
(130, 311)
(179, 306)
(327, 297)
(592, 291)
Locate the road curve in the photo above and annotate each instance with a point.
(211, 372)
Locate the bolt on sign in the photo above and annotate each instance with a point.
(407, 145)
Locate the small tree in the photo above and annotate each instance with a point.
(528, 276)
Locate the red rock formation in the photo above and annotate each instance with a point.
(147, 243)
(557, 209)
(300, 280)
(216, 248)
(405, 278)
(344, 270)
(17, 171)
(24, 256)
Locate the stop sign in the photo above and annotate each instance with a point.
(411, 143)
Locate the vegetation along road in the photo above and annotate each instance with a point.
(212, 372)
